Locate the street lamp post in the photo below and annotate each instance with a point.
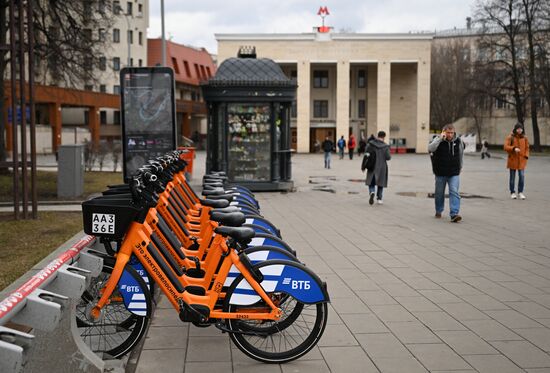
(163, 37)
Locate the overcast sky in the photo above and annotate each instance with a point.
(196, 22)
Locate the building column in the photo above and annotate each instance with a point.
(186, 125)
(422, 106)
(303, 106)
(93, 123)
(342, 99)
(383, 93)
(54, 111)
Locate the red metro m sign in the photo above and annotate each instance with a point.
(323, 12)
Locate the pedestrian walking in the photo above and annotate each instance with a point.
(517, 147)
(328, 147)
(377, 177)
(485, 149)
(351, 145)
(447, 151)
(341, 146)
(362, 145)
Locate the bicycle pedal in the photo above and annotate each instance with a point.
(221, 326)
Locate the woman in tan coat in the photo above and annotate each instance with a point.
(517, 147)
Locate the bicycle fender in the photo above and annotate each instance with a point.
(283, 276)
(262, 239)
(264, 223)
(134, 291)
(257, 255)
(134, 262)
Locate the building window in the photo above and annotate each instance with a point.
(102, 117)
(294, 75)
(116, 7)
(361, 108)
(197, 71)
(294, 109)
(320, 79)
(116, 35)
(140, 10)
(193, 96)
(500, 103)
(203, 72)
(320, 109)
(187, 71)
(102, 88)
(116, 89)
(140, 63)
(116, 116)
(130, 37)
(88, 87)
(208, 72)
(102, 63)
(101, 34)
(131, 62)
(129, 8)
(87, 33)
(140, 38)
(175, 64)
(116, 63)
(361, 79)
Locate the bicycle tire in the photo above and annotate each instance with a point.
(316, 313)
(118, 330)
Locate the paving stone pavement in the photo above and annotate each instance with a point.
(410, 293)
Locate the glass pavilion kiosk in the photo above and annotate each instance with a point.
(249, 102)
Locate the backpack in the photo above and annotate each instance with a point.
(341, 143)
(369, 161)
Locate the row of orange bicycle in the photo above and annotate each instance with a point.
(216, 259)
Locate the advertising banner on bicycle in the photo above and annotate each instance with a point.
(148, 114)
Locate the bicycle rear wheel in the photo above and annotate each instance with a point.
(296, 333)
(117, 330)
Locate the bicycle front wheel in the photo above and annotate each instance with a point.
(117, 330)
(287, 339)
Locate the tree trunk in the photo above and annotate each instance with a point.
(3, 64)
(532, 84)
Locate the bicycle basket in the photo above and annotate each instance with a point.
(108, 217)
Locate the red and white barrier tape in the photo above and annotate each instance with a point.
(38, 279)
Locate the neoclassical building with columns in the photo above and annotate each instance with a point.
(350, 83)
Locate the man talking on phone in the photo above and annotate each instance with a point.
(447, 152)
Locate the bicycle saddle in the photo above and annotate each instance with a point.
(215, 203)
(213, 192)
(240, 234)
(233, 219)
(213, 185)
(227, 209)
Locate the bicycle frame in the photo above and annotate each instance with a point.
(138, 243)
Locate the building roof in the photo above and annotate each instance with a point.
(330, 36)
(250, 71)
(191, 65)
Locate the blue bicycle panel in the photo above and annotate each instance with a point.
(134, 262)
(132, 294)
(262, 223)
(257, 257)
(290, 279)
(265, 241)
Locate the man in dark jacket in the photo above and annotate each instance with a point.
(378, 176)
(447, 152)
(327, 146)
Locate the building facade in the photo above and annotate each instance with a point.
(350, 83)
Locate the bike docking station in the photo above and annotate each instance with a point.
(218, 261)
(37, 331)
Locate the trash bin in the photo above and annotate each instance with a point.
(70, 175)
(188, 157)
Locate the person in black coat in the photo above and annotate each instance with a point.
(328, 147)
(377, 178)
